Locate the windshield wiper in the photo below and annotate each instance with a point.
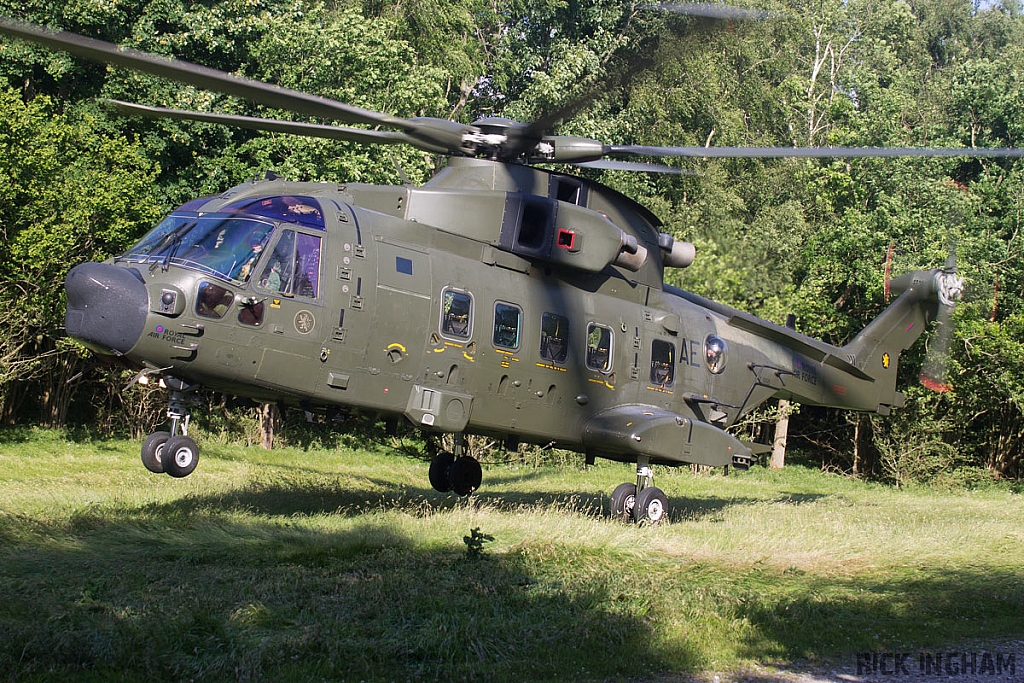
(171, 242)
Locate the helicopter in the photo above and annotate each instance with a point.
(500, 298)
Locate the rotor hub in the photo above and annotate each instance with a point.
(950, 287)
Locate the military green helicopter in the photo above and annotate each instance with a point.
(498, 299)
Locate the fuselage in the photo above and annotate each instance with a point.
(492, 300)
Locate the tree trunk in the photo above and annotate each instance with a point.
(270, 417)
(865, 455)
(781, 433)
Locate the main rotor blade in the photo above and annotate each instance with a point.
(431, 133)
(199, 76)
(611, 165)
(810, 152)
(271, 125)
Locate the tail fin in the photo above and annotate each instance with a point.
(876, 349)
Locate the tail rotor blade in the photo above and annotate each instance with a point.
(949, 288)
(934, 372)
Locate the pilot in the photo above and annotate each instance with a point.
(256, 240)
(273, 279)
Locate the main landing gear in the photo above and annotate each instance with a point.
(174, 452)
(455, 471)
(642, 502)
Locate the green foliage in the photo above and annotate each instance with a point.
(773, 237)
(67, 194)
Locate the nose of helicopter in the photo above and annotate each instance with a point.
(107, 306)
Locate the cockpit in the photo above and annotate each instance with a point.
(232, 243)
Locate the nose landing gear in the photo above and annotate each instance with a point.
(174, 452)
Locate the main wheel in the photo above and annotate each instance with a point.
(465, 475)
(623, 499)
(152, 448)
(651, 505)
(180, 456)
(438, 473)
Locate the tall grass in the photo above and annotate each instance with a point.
(303, 565)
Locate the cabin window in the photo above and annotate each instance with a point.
(293, 268)
(715, 351)
(507, 325)
(554, 337)
(599, 348)
(663, 362)
(456, 313)
(213, 301)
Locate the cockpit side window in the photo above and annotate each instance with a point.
(213, 301)
(293, 268)
(307, 265)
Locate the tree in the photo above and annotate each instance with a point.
(66, 194)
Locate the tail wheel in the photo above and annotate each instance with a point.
(152, 451)
(180, 456)
(651, 506)
(623, 501)
(439, 468)
(465, 475)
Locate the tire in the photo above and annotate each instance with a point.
(438, 474)
(623, 502)
(180, 456)
(465, 475)
(651, 506)
(152, 448)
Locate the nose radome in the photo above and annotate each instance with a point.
(107, 306)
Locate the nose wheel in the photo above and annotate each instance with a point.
(641, 502)
(173, 452)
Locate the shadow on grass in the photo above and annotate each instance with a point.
(256, 600)
(353, 496)
(177, 593)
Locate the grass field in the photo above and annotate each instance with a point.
(312, 565)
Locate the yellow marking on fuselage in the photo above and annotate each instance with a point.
(550, 367)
